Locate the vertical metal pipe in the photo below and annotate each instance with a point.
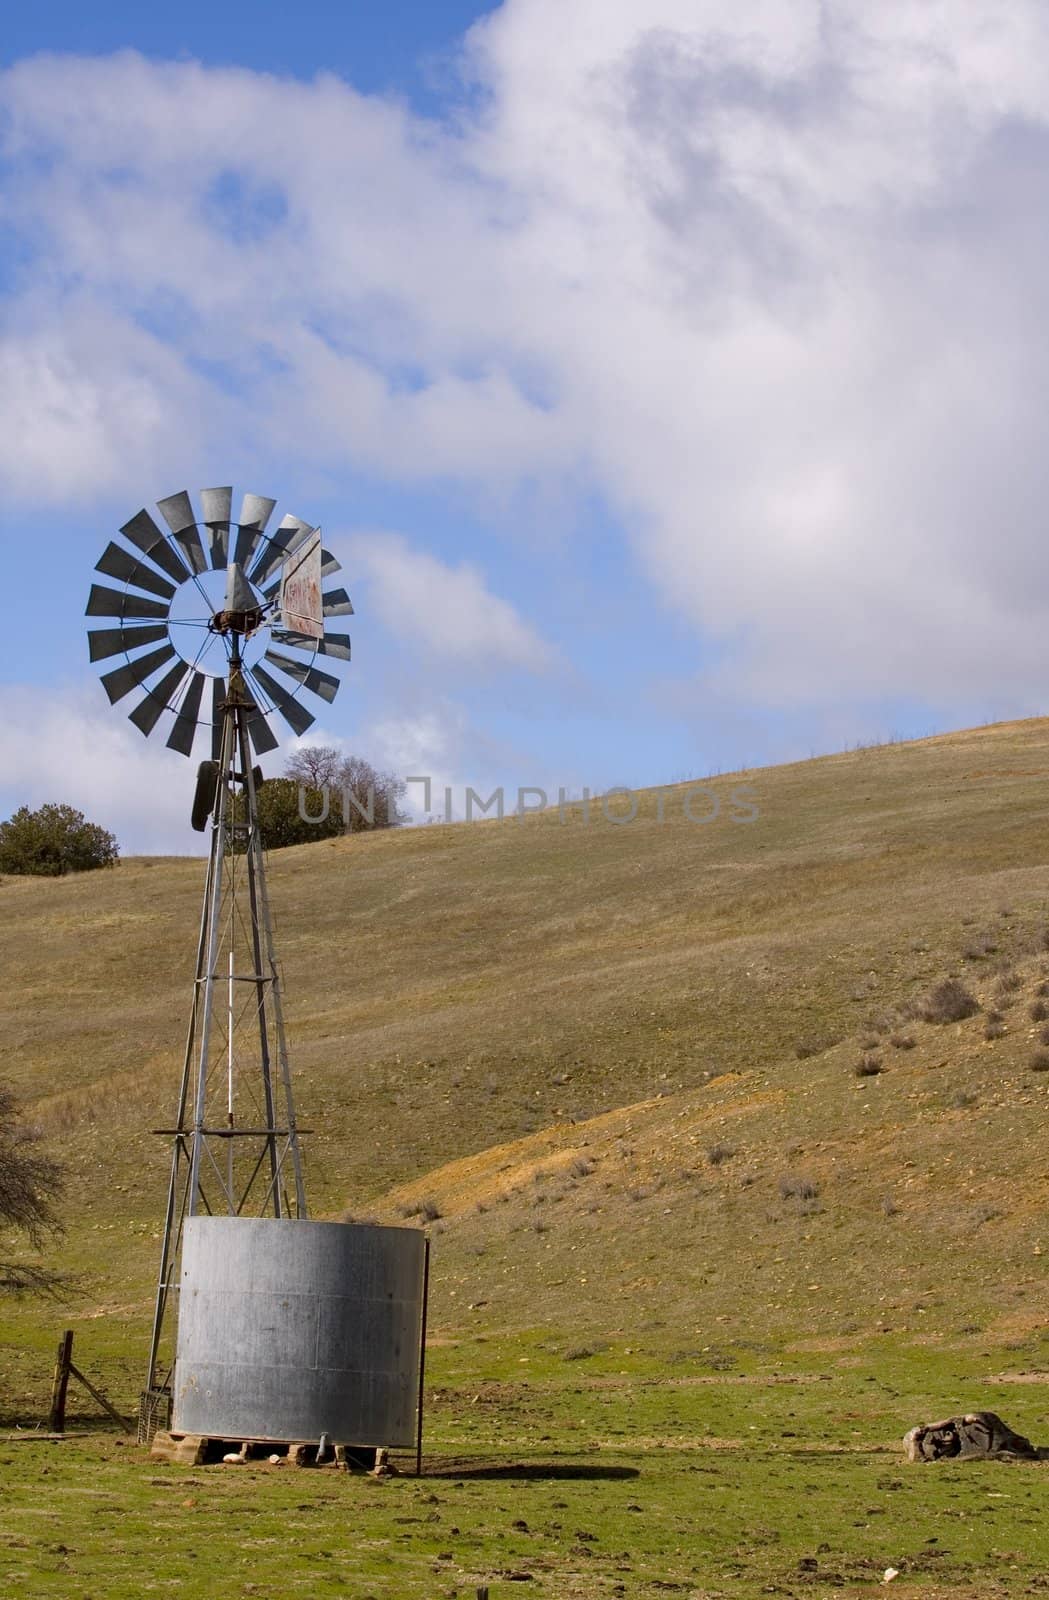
(263, 982)
(231, 717)
(262, 924)
(422, 1363)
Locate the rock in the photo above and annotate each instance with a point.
(976, 1434)
(185, 1448)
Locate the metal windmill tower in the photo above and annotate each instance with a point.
(220, 601)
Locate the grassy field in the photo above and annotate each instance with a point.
(608, 1476)
(688, 1254)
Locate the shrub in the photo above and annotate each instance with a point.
(52, 841)
(903, 1041)
(962, 1101)
(1039, 1061)
(1038, 1011)
(580, 1168)
(719, 1153)
(1009, 980)
(29, 1185)
(794, 1187)
(867, 1067)
(980, 948)
(949, 1001)
(993, 1029)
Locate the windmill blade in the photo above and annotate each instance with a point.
(123, 679)
(148, 712)
(260, 733)
(116, 563)
(215, 508)
(289, 536)
(322, 683)
(337, 604)
(103, 602)
(177, 511)
(218, 705)
(255, 512)
(185, 730)
(106, 642)
(295, 715)
(333, 644)
(336, 645)
(143, 532)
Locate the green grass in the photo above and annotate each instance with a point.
(608, 1476)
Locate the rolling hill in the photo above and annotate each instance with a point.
(614, 1064)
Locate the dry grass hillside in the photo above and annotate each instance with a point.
(619, 1060)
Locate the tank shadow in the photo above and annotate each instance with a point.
(545, 1471)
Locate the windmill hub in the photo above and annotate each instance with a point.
(242, 612)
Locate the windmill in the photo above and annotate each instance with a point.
(222, 603)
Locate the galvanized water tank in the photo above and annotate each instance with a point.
(288, 1330)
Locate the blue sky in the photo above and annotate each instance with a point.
(403, 47)
(664, 377)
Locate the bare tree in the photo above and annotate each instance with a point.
(369, 798)
(315, 765)
(365, 797)
(29, 1184)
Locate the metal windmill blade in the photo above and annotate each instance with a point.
(289, 536)
(105, 642)
(203, 602)
(255, 513)
(215, 504)
(295, 715)
(322, 683)
(177, 511)
(332, 644)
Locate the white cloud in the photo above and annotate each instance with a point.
(66, 746)
(97, 398)
(768, 279)
(442, 611)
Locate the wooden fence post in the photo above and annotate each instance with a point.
(57, 1422)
